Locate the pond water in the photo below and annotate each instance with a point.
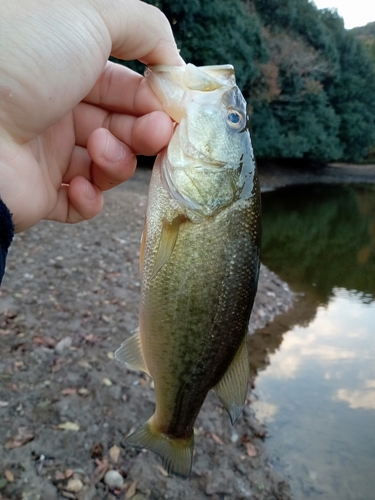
(315, 367)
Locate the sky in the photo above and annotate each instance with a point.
(354, 12)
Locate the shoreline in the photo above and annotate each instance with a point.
(69, 298)
(273, 175)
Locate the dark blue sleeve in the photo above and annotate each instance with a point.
(6, 235)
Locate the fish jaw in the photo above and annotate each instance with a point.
(172, 84)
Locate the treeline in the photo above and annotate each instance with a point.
(367, 35)
(309, 83)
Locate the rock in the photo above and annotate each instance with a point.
(116, 392)
(74, 485)
(114, 479)
(114, 454)
(63, 345)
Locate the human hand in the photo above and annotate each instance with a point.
(71, 122)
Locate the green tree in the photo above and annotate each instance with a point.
(352, 91)
(310, 84)
(217, 32)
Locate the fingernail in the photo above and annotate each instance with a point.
(114, 150)
(90, 191)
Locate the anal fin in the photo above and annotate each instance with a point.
(130, 352)
(232, 388)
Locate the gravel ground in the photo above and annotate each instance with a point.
(68, 300)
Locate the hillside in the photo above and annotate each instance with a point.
(309, 82)
(367, 35)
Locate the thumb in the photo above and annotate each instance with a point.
(140, 31)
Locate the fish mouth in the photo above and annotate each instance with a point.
(171, 84)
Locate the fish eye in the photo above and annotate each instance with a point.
(234, 118)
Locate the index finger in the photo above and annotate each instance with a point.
(140, 31)
(122, 90)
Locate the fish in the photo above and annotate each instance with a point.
(199, 260)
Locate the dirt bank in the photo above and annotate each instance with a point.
(69, 298)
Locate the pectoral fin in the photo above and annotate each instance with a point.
(232, 388)
(130, 353)
(167, 242)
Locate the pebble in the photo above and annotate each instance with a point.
(74, 485)
(113, 479)
(114, 454)
(63, 344)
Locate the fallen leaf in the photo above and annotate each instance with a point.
(131, 491)
(251, 450)
(58, 364)
(69, 426)
(100, 471)
(114, 454)
(92, 339)
(24, 436)
(96, 451)
(45, 341)
(9, 476)
(68, 391)
(216, 438)
(10, 314)
(59, 476)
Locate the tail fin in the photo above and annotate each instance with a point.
(176, 453)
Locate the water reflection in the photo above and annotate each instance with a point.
(316, 365)
(321, 237)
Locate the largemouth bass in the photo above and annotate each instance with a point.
(199, 259)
